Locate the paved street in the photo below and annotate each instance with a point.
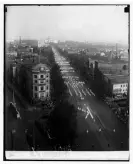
(102, 124)
(17, 139)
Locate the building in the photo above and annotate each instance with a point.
(41, 81)
(113, 82)
(42, 43)
(12, 54)
(32, 43)
(72, 51)
(102, 54)
(118, 84)
(32, 79)
(124, 55)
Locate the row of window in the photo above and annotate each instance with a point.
(124, 85)
(120, 90)
(41, 88)
(36, 95)
(40, 76)
(41, 81)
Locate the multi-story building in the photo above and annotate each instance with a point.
(33, 80)
(41, 81)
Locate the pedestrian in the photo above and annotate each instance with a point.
(99, 129)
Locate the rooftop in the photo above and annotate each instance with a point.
(34, 66)
(104, 60)
(117, 79)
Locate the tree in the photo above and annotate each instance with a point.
(59, 88)
(62, 124)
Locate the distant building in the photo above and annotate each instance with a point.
(55, 41)
(32, 43)
(124, 55)
(71, 52)
(24, 51)
(91, 65)
(102, 54)
(40, 43)
(12, 54)
(43, 43)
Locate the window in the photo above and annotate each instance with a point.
(121, 85)
(35, 81)
(35, 95)
(42, 76)
(42, 88)
(41, 81)
(42, 95)
(35, 88)
(35, 76)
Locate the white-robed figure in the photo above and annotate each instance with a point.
(87, 114)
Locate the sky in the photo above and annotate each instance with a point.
(78, 23)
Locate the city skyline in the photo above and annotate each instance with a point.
(78, 23)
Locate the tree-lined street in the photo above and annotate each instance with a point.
(109, 131)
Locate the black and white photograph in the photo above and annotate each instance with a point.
(66, 82)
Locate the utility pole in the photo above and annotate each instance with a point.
(116, 50)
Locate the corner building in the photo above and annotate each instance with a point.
(41, 82)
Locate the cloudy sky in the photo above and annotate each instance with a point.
(90, 23)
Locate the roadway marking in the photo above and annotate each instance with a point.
(92, 92)
(88, 92)
(90, 112)
(83, 92)
(69, 89)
